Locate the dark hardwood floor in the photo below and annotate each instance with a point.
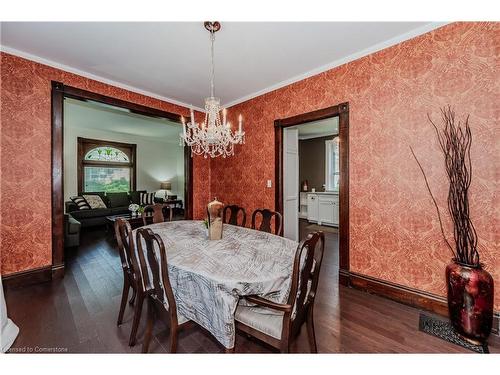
(78, 313)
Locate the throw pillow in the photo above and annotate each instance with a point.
(135, 196)
(147, 198)
(118, 199)
(94, 201)
(80, 202)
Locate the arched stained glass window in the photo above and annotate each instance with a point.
(107, 153)
(106, 166)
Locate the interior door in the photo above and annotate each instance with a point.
(291, 183)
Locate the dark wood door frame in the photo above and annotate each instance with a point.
(59, 92)
(342, 111)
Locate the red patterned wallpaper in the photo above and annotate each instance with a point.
(394, 230)
(25, 191)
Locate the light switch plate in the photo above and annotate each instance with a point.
(269, 183)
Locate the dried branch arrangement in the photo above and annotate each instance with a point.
(455, 139)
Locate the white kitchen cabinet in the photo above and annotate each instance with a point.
(323, 208)
(312, 207)
(303, 205)
(336, 212)
(326, 209)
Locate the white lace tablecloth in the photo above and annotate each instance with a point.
(209, 277)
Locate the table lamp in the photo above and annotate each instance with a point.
(165, 187)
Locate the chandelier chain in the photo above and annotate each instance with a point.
(212, 72)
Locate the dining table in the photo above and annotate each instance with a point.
(210, 277)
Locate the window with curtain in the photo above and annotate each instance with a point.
(105, 166)
(332, 170)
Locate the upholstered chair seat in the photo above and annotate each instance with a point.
(262, 319)
(279, 323)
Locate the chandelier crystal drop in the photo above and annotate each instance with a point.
(212, 137)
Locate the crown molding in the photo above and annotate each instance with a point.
(375, 48)
(69, 69)
(357, 55)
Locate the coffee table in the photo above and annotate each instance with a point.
(135, 221)
(173, 204)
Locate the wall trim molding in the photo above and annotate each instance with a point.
(82, 73)
(403, 294)
(28, 277)
(399, 293)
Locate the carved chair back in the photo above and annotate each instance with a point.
(131, 275)
(232, 218)
(152, 255)
(126, 247)
(266, 221)
(305, 277)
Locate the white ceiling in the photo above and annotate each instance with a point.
(93, 115)
(170, 60)
(320, 128)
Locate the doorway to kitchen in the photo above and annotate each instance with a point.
(312, 178)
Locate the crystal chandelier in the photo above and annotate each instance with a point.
(212, 137)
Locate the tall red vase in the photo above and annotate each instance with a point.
(470, 301)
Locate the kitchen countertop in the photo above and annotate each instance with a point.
(322, 192)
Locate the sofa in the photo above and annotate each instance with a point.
(116, 204)
(71, 231)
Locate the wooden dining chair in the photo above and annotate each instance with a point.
(161, 301)
(267, 217)
(278, 324)
(158, 213)
(131, 275)
(234, 211)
